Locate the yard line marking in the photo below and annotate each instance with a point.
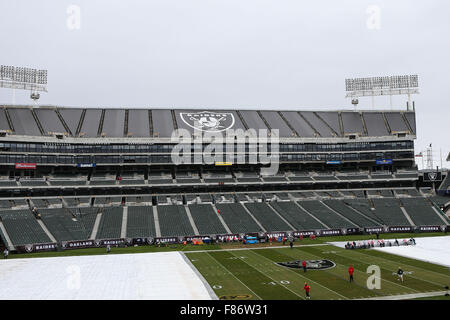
(305, 278)
(272, 279)
(233, 275)
(405, 264)
(409, 296)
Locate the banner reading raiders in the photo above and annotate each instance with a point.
(37, 247)
(168, 240)
(275, 234)
(374, 230)
(430, 229)
(330, 232)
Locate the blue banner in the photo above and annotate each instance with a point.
(334, 162)
(384, 161)
(86, 165)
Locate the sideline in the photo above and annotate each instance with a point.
(408, 296)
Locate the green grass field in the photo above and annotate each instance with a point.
(254, 273)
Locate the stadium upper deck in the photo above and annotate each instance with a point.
(160, 123)
(57, 136)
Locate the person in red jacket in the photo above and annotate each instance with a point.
(350, 272)
(307, 288)
(304, 265)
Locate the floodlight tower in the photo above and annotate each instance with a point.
(24, 79)
(382, 86)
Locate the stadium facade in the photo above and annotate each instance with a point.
(75, 177)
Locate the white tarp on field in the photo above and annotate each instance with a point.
(429, 249)
(166, 275)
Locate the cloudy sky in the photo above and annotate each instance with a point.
(271, 54)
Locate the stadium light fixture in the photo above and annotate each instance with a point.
(382, 86)
(24, 79)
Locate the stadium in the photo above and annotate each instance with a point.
(75, 179)
(224, 158)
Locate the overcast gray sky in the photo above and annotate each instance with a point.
(271, 54)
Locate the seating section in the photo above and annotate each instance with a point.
(389, 211)
(173, 221)
(67, 182)
(296, 216)
(33, 183)
(321, 212)
(266, 216)
(65, 226)
(421, 212)
(140, 222)
(440, 200)
(361, 220)
(22, 227)
(5, 204)
(363, 207)
(110, 224)
(8, 183)
(446, 183)
(206, 220)
(236, 218)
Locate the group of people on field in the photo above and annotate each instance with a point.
(379, 243)
(351, 271)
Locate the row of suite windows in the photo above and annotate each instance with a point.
(167, 158)
(167, 148)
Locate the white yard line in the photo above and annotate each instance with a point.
(223, 267)
(408, 296)
(270, 278)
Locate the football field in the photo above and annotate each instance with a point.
(256, 274)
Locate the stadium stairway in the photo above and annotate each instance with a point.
(6, 236)
(253, 217)
(96, 224)
(339, 214)
(411, 222)
(46, 230)
(280, 216)
(156, 219)
(221, 219)
(191, 220)
(311, 215)
(266, 216)
(123, 230)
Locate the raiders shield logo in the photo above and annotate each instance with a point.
(432, 176)
(208, 121)
(310, 264)
(29, 248)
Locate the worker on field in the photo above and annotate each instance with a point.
(307, 288)
(5, 253)
(291, 244)
(304, 265)
(108, 248)
(351, 270)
